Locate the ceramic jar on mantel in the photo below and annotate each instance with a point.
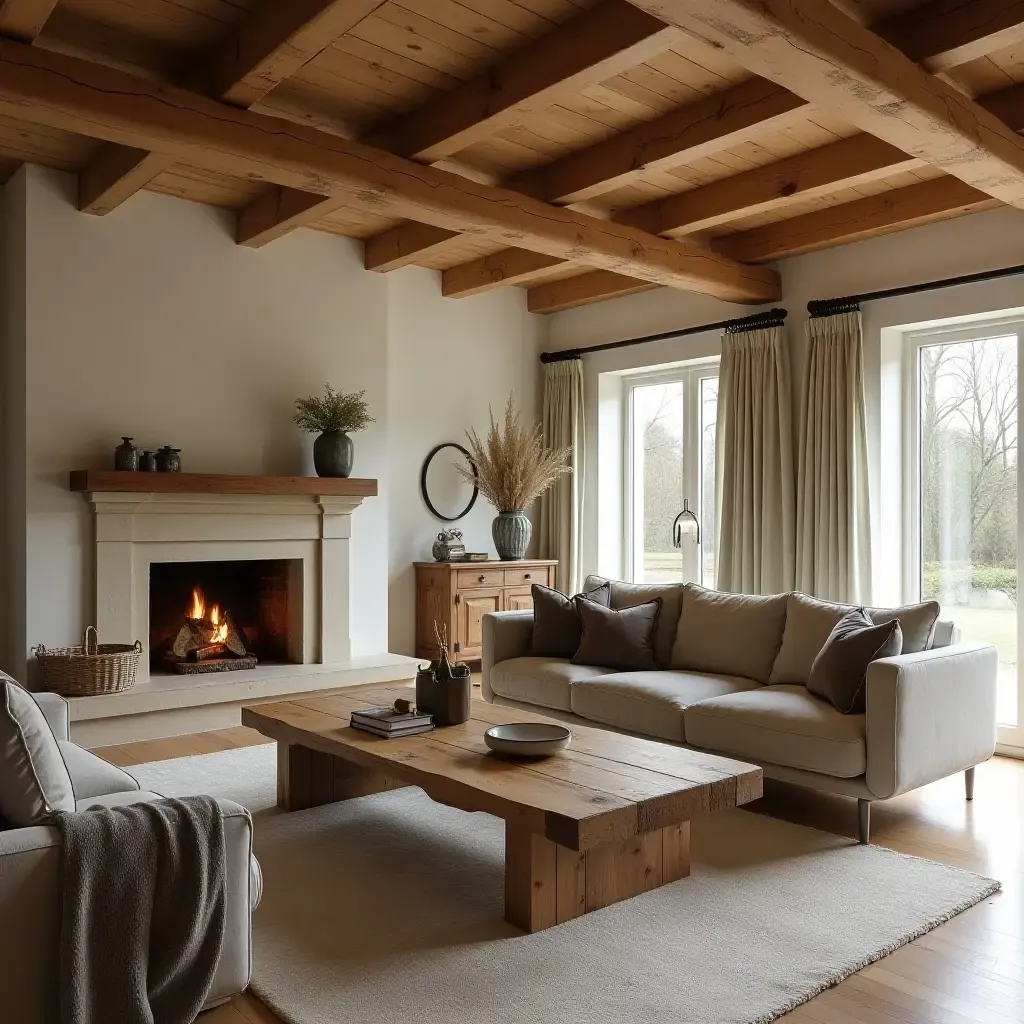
(332, 454)
(511, 533)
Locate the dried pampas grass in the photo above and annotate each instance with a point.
(512, 465)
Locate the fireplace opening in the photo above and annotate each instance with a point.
(224, 616)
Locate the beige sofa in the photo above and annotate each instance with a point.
(929, 714)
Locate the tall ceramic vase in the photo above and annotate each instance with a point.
(511, 532)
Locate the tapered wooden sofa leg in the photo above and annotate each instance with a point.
(864, 821)
(969, 783)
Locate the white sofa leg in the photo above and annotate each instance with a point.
(864, 821)
(969, 783)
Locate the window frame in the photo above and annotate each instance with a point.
(1011, 738)
(689, 375)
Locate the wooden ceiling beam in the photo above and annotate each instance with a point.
(821, 53)
(271, 44)
(570, 292)
(63, 92)
(278, 211)
(896, 210)
(744, 111)
(405, 245)
(848, 162)
(943, 34)
(591, 47)
(24, 19)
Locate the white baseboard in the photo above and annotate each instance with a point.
(1008, 750)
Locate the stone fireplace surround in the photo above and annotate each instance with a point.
(194, 518)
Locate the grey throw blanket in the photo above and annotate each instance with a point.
(143, 911)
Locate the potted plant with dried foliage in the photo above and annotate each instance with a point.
(333, 417)
(513, 468)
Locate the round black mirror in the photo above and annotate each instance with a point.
(446, 492)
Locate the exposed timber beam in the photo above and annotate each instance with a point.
(741, 112)
(273, 42)
(554, 296)
(403, 246)
(63, 92)
(278, 211)
(848, 162)
(895, 210)
(589, 48)
(945, 33)
(24, 19)
(824, 55)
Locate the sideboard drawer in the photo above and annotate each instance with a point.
(468, 578)
(524, 577)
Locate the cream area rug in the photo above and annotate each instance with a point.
(389, 909)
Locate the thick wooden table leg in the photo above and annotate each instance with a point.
(310, 778)
(547, 884)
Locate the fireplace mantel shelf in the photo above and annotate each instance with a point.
(111, 480)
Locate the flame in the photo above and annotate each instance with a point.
(199, 611)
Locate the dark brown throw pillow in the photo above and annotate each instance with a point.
(841, 667)
(619, 638)
(557, 628)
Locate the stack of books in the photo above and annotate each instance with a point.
(390, 723)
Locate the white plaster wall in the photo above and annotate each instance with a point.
(152, 322)
(962, 246)
(452, 360)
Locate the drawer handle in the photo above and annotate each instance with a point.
(527, 575)
(481, 578)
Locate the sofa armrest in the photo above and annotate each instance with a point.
(505, 635)
(929, 715)
(55, 711)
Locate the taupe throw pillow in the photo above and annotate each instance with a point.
(34, 780)
(809, 622)
(626, 595)
(618, 638)
(729, 634)
(840, 670)
(557, 627)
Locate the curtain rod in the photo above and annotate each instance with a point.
(849, 303)
(771, 318)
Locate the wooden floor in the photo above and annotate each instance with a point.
(969, 971)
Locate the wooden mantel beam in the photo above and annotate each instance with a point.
(724, 119)
(73, 95)
(819, 52)
(271, 44)
(589, 48)
(24, 19)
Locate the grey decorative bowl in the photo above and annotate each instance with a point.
(527, 739)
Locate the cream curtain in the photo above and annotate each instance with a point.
(754, 485)
(832, 523)
(561, 506)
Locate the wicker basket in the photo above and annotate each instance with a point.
(89, 670)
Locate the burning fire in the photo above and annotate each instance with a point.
(213, 615)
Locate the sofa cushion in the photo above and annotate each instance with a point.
(649, 703)
(557, 627)
(543, 681)
(840, 670)
(783, 725)
(620, 639)
(626, 595)
(729, 634)
(34, 780)
(809, 622)
(91, 775)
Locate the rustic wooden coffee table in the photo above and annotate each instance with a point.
(605, 820)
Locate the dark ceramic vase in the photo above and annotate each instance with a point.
(511, 532)
(332, 454)
(126, 455)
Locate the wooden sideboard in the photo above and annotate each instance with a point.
(459, 594)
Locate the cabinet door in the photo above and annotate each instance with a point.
(519, 600)
(470, 608)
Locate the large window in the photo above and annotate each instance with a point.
(963, 420)
(670, 464)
